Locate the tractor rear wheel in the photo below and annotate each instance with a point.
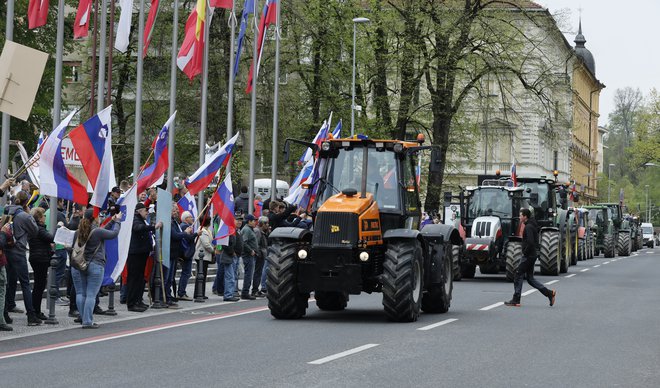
(624, 244)
(284, 299)
(550, 253)
(437, 298)
(331, 301)
(581, 253)
(456, 262)
(608, 245)
(513, 257)
(403, 279)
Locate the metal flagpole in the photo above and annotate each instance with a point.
(276, 108)
(108, 100)
(173, 69)
(205, 83)
(100, 96)
(230, 91)
(4, 148)
(138, 96)
(92, 77)
(253, 116)
(57, 105)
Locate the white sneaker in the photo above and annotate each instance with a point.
(62, 301)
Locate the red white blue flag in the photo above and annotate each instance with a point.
(223, 207)
(116, 250)
(187, 203)
(92, 141)
(336, 133)
(514, 176)
(268, 18)
(201, 179)
(152, 174)
(320, 137)
(56, 180)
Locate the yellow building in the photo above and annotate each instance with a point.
(584, 146)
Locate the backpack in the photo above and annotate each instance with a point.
(78, 259)
(8, 231)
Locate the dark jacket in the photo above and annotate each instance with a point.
(40, 250)
(95, 248)
(178, 237)
(228, 251)
(141, 241)
(530, 239)
(262, 241)
(24, 227)
(277, 220)
(241, 203)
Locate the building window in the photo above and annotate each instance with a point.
(73, 72)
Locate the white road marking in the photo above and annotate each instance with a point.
(570, 276)
(441, 323)
(584, 270)
(342, 354)
(529, 292)
(607, 262)
(492, 306)
(551, 282)
(597, 265)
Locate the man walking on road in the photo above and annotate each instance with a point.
(526, 266)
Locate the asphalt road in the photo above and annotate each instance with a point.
(602, 332)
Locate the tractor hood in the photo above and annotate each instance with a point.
(347, 204)
(487, 227)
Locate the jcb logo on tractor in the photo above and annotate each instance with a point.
(334, 228)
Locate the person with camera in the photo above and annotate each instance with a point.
(88, 282)
(41, 251)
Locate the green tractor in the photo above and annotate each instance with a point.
(585, 250)
(622, 235)
(635, 232)
(603, 228)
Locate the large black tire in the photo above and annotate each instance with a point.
(468, 270)
(567, 251)
(608, 245)
(582, 250)
(623, 246)
(331, 301)
(550, 253)
(403, 280)
(284, 300)
(574, 251)
(456, 262)
(513, 257)
(437, 297)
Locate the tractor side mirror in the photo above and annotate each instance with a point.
(448, 197)
(436, 165)
(286, 152)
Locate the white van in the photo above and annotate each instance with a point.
(262, 188)
(647, 234)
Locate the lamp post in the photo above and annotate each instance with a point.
(355, 22)
(609, 184)
(647, 203)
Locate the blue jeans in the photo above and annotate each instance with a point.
(226, 280)
(169, 275)
(88, 284)
(264, 276)
(17, 269)
(235, 268)
(248, 264)
(60, 270)
(186, 271)
(526, 268)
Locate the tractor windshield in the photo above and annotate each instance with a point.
(544, 202)
(490, 202)
(596, 215)
(345, 172)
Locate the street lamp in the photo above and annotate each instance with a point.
(609, 184)
(647, 203)
(355, 22)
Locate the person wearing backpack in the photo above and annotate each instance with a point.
(40, 254)
(4, 317)
(22, 227)
(88, 282)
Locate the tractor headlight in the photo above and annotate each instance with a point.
(398, 148)
(302, 254)
(364, 256)
(325, 146)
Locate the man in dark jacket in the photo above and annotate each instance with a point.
(526, 266)
(279, 212)
(250, 248)
(177, 236)
(261, 232)
(141, 246)
(241, 204)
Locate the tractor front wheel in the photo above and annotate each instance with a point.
(403, 279)
(284, 299)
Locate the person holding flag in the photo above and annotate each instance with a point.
(178, 235)
(141, 245)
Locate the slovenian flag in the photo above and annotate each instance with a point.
(116, 250)
(92, 141)
(223, 207)
(201, 179)
(155, 172)
(514, 177)
(336, 133)
(56, 180)
(296, 190)
(321, 135)
(187, 204)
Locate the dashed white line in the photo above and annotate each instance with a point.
(492, 306)
(606, 262)
(342, 354)
(441, 323)
(529, 292)
(597, 265)
(584, 270)
(570, 276)
(551, 282)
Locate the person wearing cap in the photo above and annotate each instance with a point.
(177, 237)
(238, 219)
(250, 248)
(141, 246)
(88, 283)
(115, 193)
(187, 245)
(261, 231)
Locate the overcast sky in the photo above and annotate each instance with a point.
(623, 37)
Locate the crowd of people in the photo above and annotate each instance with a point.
(24, 237)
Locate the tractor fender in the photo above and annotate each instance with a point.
(438, 236)
(447, 232)
(290, 233)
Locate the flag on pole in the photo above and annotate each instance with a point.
(201, 179)
(92, 141)
(248, 9)
(223, 207)
(81, 24)
(336, 133)
(37, 13)
(155, 171)
(514, 176)
(268, 17)
(191, 54)
(321, 135)
(116, 250)
(56, 181)
(188, 203)
(149, 27)
(296, 191)
(227, 4)
(124, 25)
